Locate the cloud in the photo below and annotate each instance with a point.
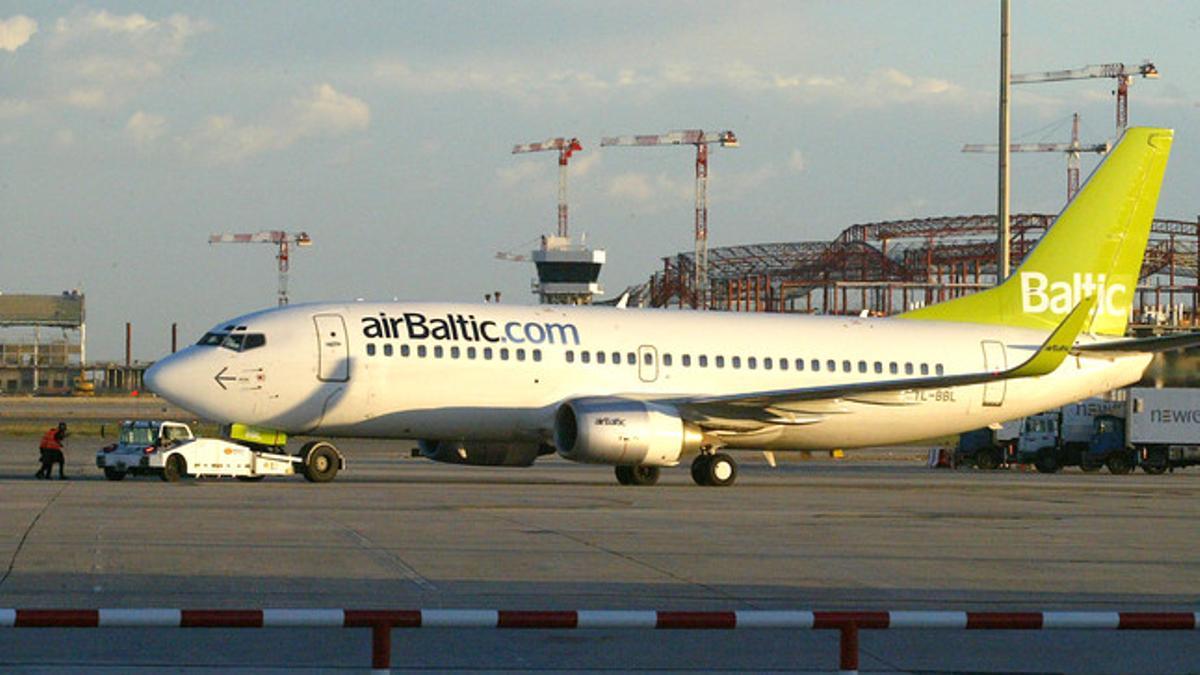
(796, 161)
(145, 128)
(520, 173)
(323, 113)
(644, 188)
(16, 31)
(98, 59)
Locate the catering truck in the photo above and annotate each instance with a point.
(1158, 429)
(170, 451)
(988, 448)
(1063, 437)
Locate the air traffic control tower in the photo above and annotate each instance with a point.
(567, 274)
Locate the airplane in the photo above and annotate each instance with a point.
(641, 389)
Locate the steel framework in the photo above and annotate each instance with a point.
(891, 266)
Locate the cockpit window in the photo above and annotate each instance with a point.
(238, 342)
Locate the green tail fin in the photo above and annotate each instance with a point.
(1094, 248)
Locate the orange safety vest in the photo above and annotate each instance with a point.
(50, 440)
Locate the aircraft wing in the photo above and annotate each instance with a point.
(1143, 345)
(807, 405)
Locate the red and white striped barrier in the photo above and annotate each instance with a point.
(383, 621)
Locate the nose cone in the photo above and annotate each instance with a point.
(179, 378)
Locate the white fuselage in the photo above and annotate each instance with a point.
(494, 372)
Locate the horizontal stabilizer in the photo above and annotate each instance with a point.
(1149, 345)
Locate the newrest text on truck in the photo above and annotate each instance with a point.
(1159, 429)
(170, 451)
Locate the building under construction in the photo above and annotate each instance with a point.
(886, 267)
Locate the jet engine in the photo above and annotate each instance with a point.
(482, 453)
(623, 432)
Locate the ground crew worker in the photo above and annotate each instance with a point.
(52, 451)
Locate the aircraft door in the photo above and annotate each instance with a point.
(647, 363)
(333, 348)
(994, 362)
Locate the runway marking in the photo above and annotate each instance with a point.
(383, 555)
(21, 544)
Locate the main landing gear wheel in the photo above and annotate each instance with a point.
(637, 475)
(717, 470)
(321, 462)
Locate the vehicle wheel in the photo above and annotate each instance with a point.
(987, 459)
(624, 474)
(1047, 462)
(320, 462)
(1118, 464)
(722, 470)
(174, 469)
(700, 469)
(250, 479)
(1155, 462)
(113, 474)
(643, 475)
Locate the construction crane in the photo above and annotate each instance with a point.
(701, 140)
(565, 148)
(1122, 74)
(1072, 150)
(283, 240)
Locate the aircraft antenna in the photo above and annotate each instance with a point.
(282, 240)
(701, 140)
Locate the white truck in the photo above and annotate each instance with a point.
(170, 451)
(1063, 437)
(1158, 429)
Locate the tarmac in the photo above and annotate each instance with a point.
(871, 532)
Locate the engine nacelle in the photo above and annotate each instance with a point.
(623, 432)
(482, 453)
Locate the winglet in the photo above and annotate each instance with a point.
(1057, 347)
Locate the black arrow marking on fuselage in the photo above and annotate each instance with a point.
(222, 380)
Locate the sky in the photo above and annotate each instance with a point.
(131, 131)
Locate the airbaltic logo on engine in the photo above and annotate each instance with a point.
(417, 326)
(1039, 295)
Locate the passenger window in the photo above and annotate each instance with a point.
(687, 360)
(666, 359)
(831, 366)
(908, 369)
(570, 356)
(616, 358)
(751, 362)
(862, 366)
(940, 370)
(471, 353)
(894, 368)
(879, 367)
(405, 350)
(438, 352)
(648, 359)
(537, 355)
(370, 349)
(421, 351)
(924, 368)
(504, 353)
(703, 360)
(487, 353)
(767, 363)
(631, 358)
(720, 361)
(454, 352)
(783, 363)
(387, 349)
(585, 356)
(845, 366)
(600, 356)
(520, 354)
(816, 365)
(737, 361)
